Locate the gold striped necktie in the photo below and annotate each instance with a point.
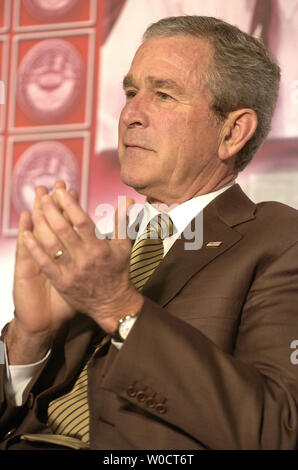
(68, 415)
(148, 251)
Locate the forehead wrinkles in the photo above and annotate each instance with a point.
(181, 58)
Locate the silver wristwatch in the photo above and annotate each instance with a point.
(125, 325)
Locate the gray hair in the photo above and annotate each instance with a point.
(243, 73)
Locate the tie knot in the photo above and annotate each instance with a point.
(161, 226)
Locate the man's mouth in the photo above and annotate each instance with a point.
(131, 145)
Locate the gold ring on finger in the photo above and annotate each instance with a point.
(58, 254)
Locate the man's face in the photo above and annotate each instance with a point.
(168, 141)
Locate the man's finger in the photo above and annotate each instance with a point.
(40, 191)
(45, 235)
(73, 193)
(83, 224)
(42, 259)
(60, 184)
(61, 228)
(25, 223)
(25, 265)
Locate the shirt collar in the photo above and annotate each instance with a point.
(182, 214)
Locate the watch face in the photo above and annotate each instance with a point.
(125, 326)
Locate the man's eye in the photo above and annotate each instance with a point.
(130, 94)
(163, 96)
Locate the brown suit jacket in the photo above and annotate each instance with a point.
(208, 363)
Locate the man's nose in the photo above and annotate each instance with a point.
(135, 112)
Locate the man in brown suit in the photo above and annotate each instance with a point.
(202, 357)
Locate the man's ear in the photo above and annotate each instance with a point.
(237, 129)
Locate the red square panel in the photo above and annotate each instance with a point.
(38, 15)
(42, 160)
(52, 81)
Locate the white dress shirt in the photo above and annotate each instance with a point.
(19, 376)
(181, 214)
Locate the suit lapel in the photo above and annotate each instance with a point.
(226, 211)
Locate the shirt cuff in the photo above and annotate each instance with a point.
(18, 377)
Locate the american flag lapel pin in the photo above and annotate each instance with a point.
(214, 244)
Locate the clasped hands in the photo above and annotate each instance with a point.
(90, 276)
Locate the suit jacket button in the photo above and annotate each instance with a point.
(30, 401)
(131, 391)
(141, 396)
(150, 402)
(9, 433)
(161, 408)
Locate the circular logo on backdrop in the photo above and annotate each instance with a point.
(50, 9)
(42, 164)
(50, 79)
